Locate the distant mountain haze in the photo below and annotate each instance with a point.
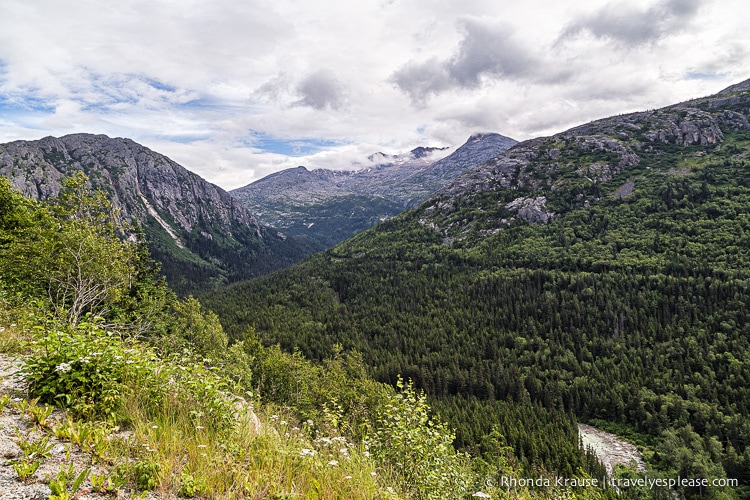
(329, 206)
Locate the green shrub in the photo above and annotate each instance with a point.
(80, 368)
(418, 448)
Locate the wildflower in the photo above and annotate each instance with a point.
(154, 426)
(2, 329)
(283, 422)
(274, 417)
(295, 429)
(373, 473)
(199, 427)
(85, 359)
(480, 494)
(333, 463)
(201, 446)
(305, 452)
(347, 477)
(63, 368)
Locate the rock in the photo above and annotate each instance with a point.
(625, 190)
(531, 209)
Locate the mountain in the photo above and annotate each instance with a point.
(603, 272)
(328, 206)
(202, 236)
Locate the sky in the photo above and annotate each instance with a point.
(236, 90)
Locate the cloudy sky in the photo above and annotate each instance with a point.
(235, 90)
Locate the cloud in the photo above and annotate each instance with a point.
(420, 80)
(630, 25)
(321, 90)
(488, 50)
(333, 82)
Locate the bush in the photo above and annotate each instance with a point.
(78, 367)
(94, 373)
(418, 448)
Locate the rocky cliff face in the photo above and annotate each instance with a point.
(539, 178)
(136, 178)
(194, 227)
(329, 206)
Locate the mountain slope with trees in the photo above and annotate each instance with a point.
(119, 389)
(601, 274)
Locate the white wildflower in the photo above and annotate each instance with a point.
(373, 473)
(480, 494)
(347, 477)
(63, 368)
(305, 452)
(333, 463)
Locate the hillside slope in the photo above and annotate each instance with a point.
(328, 206)
(603, 271)
(200, 234)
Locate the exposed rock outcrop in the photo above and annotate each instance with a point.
(200, 234)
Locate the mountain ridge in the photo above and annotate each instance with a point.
(618, 143)
(330, 205)
(216, 238)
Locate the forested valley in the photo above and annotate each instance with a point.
(628, 308)
(600, 275)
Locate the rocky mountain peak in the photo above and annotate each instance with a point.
(196, 229)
